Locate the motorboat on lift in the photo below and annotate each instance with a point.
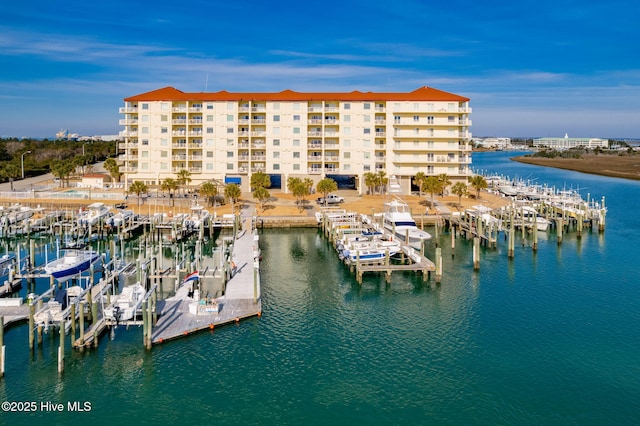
(72, 263)
(398, 220)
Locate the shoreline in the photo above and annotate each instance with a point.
(279, 207)
(618, 166)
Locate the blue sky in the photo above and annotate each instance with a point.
(531, 68)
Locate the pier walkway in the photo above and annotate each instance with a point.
(183, 314)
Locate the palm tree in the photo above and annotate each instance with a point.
(299, 189)
(325, 186)
(432, 185)
(10, 171)
(111, 166)
(418, 180)
(170, 185)
(209, 191)
(138, 188)
(183, 178)
(260, 180)
(478, 183)
(262, 195)
(459, 189)
(382, 180)
(370, 181)
(444, 179)
(63, 170)
(232, 192)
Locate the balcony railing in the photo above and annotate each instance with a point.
(314, 171)
(127, 110)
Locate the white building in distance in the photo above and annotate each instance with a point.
(567, 142)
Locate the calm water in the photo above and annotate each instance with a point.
(548, 338)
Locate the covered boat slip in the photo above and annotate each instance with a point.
(189, 311)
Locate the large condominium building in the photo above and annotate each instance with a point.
(228, 136)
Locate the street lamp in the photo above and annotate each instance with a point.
(22, 161)
(83, 148)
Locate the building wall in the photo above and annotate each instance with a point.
(217, 139)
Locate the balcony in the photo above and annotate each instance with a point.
(258, 121)
(128, 110)
(128, 121)
(196, 121)
(179, 157)
(179, 121)
(381, 134)
(259, 108)
(314, 133)
(259, 134)
(179, 108)
(128, 133)
(243, 108)
(314, 158)
(195, 170)
(195, 109)
(129, 169)
(315, 121)
(258, 158)
(181, 132)
(314, 171)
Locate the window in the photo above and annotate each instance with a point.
(209, 142)
(296, 118)
(346, 143)
(347, 130)
(164, 154)
(164, 130)
(347, 118)
(296, 142)
(416, 118)
(366, 168)
(209, 117)
(229, 154)
(346, 167)
(296, 167)
(230, 106)
(366, 155)
(430, 119)
(145, 106)
(416, 106)
(276, 106)
(163, 142)
(145, 130)
(276, 142)
(346, 155)
(164, 166)
(347, 105)
(296, 130)
(367, 131)
(275, 130)
(164, 117)
(229, 117)
(276, 154)
(145, 166)
(276, 118)
(367, 118)
(367, 105)
(209, 105)
(229, 166)
(210, 130)
(296, 107)
(209, 166)
(451, 119)
(276, 167)
(144, 118)
(229, 129)
(296, 154)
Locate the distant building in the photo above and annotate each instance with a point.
(493, 143)
(94, 180)
(567, 142)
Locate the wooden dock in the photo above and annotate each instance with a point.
(182, 314)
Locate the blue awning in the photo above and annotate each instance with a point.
(231, 179)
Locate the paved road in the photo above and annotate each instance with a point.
(28, 183)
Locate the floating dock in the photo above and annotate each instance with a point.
(188, 311)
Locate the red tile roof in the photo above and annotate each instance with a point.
(421, 94)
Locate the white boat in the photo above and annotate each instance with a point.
(199, 215)
(530, 216)
(121, 218)
(398, 220)
(55, 310)
(15, 215)
(368, 253)
(125, 305)
(92, 214)
(72, 263)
